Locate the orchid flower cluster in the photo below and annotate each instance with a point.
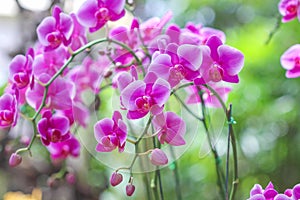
(269, 193)
(290, 60)
(145, 63)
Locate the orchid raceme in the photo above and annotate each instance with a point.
(147, 68)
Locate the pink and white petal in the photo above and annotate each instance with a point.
(6, 101)
(101, 148)
(213, 43)
(256, 189)
(17, 65)
(160, 92)
(122, 132)
(207, 32)
(293, 73)
(230, 59)
(231, 79)
(42, 127)
(136, 114)
(155, 109)
(257, 197)
(161, 66)
(282, 197)
(123, 79)
(103, 128)
(34, 97)
(159, 121)
(288, 57)
(175, 123)
(131, 93)
(81, 114)
(60, 123)
(46, 26)
(150, 78)
(61, 100)
(66, 25)
(192, 99)
(116, 6)
(206, 59)
(173, 31)
(86, 13)
(116, 117)
(191, 55)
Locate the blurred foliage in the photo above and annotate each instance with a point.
(265, 102)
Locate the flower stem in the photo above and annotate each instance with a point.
(234, 150)
(230, 122)
(176, 176)
(185, 106)
(212, 147)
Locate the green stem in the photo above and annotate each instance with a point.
(145, 130)
(185, 106)
(230, 122)
(212, 147)
(157, 172)
(131, 52)
(181, 86)
(235, 159)
(176, 176)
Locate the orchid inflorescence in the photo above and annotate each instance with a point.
(145, 63)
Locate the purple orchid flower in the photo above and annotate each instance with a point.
(60, 93)
(94, 14)
(140, 97)
(171, 128)
(55, 30)
(61, 150)
(177, 63)
(78, 37)
(220, 62)
(20, 69)
(289, 9)
(110, 133)
(8, 110)
(290, 60)
(53, 128)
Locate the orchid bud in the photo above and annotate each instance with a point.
(71, 178)
(116, 179)
(130, 189)
(158, 157)
(14, 160)
(52, 182)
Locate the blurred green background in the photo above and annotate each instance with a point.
(265, 105)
